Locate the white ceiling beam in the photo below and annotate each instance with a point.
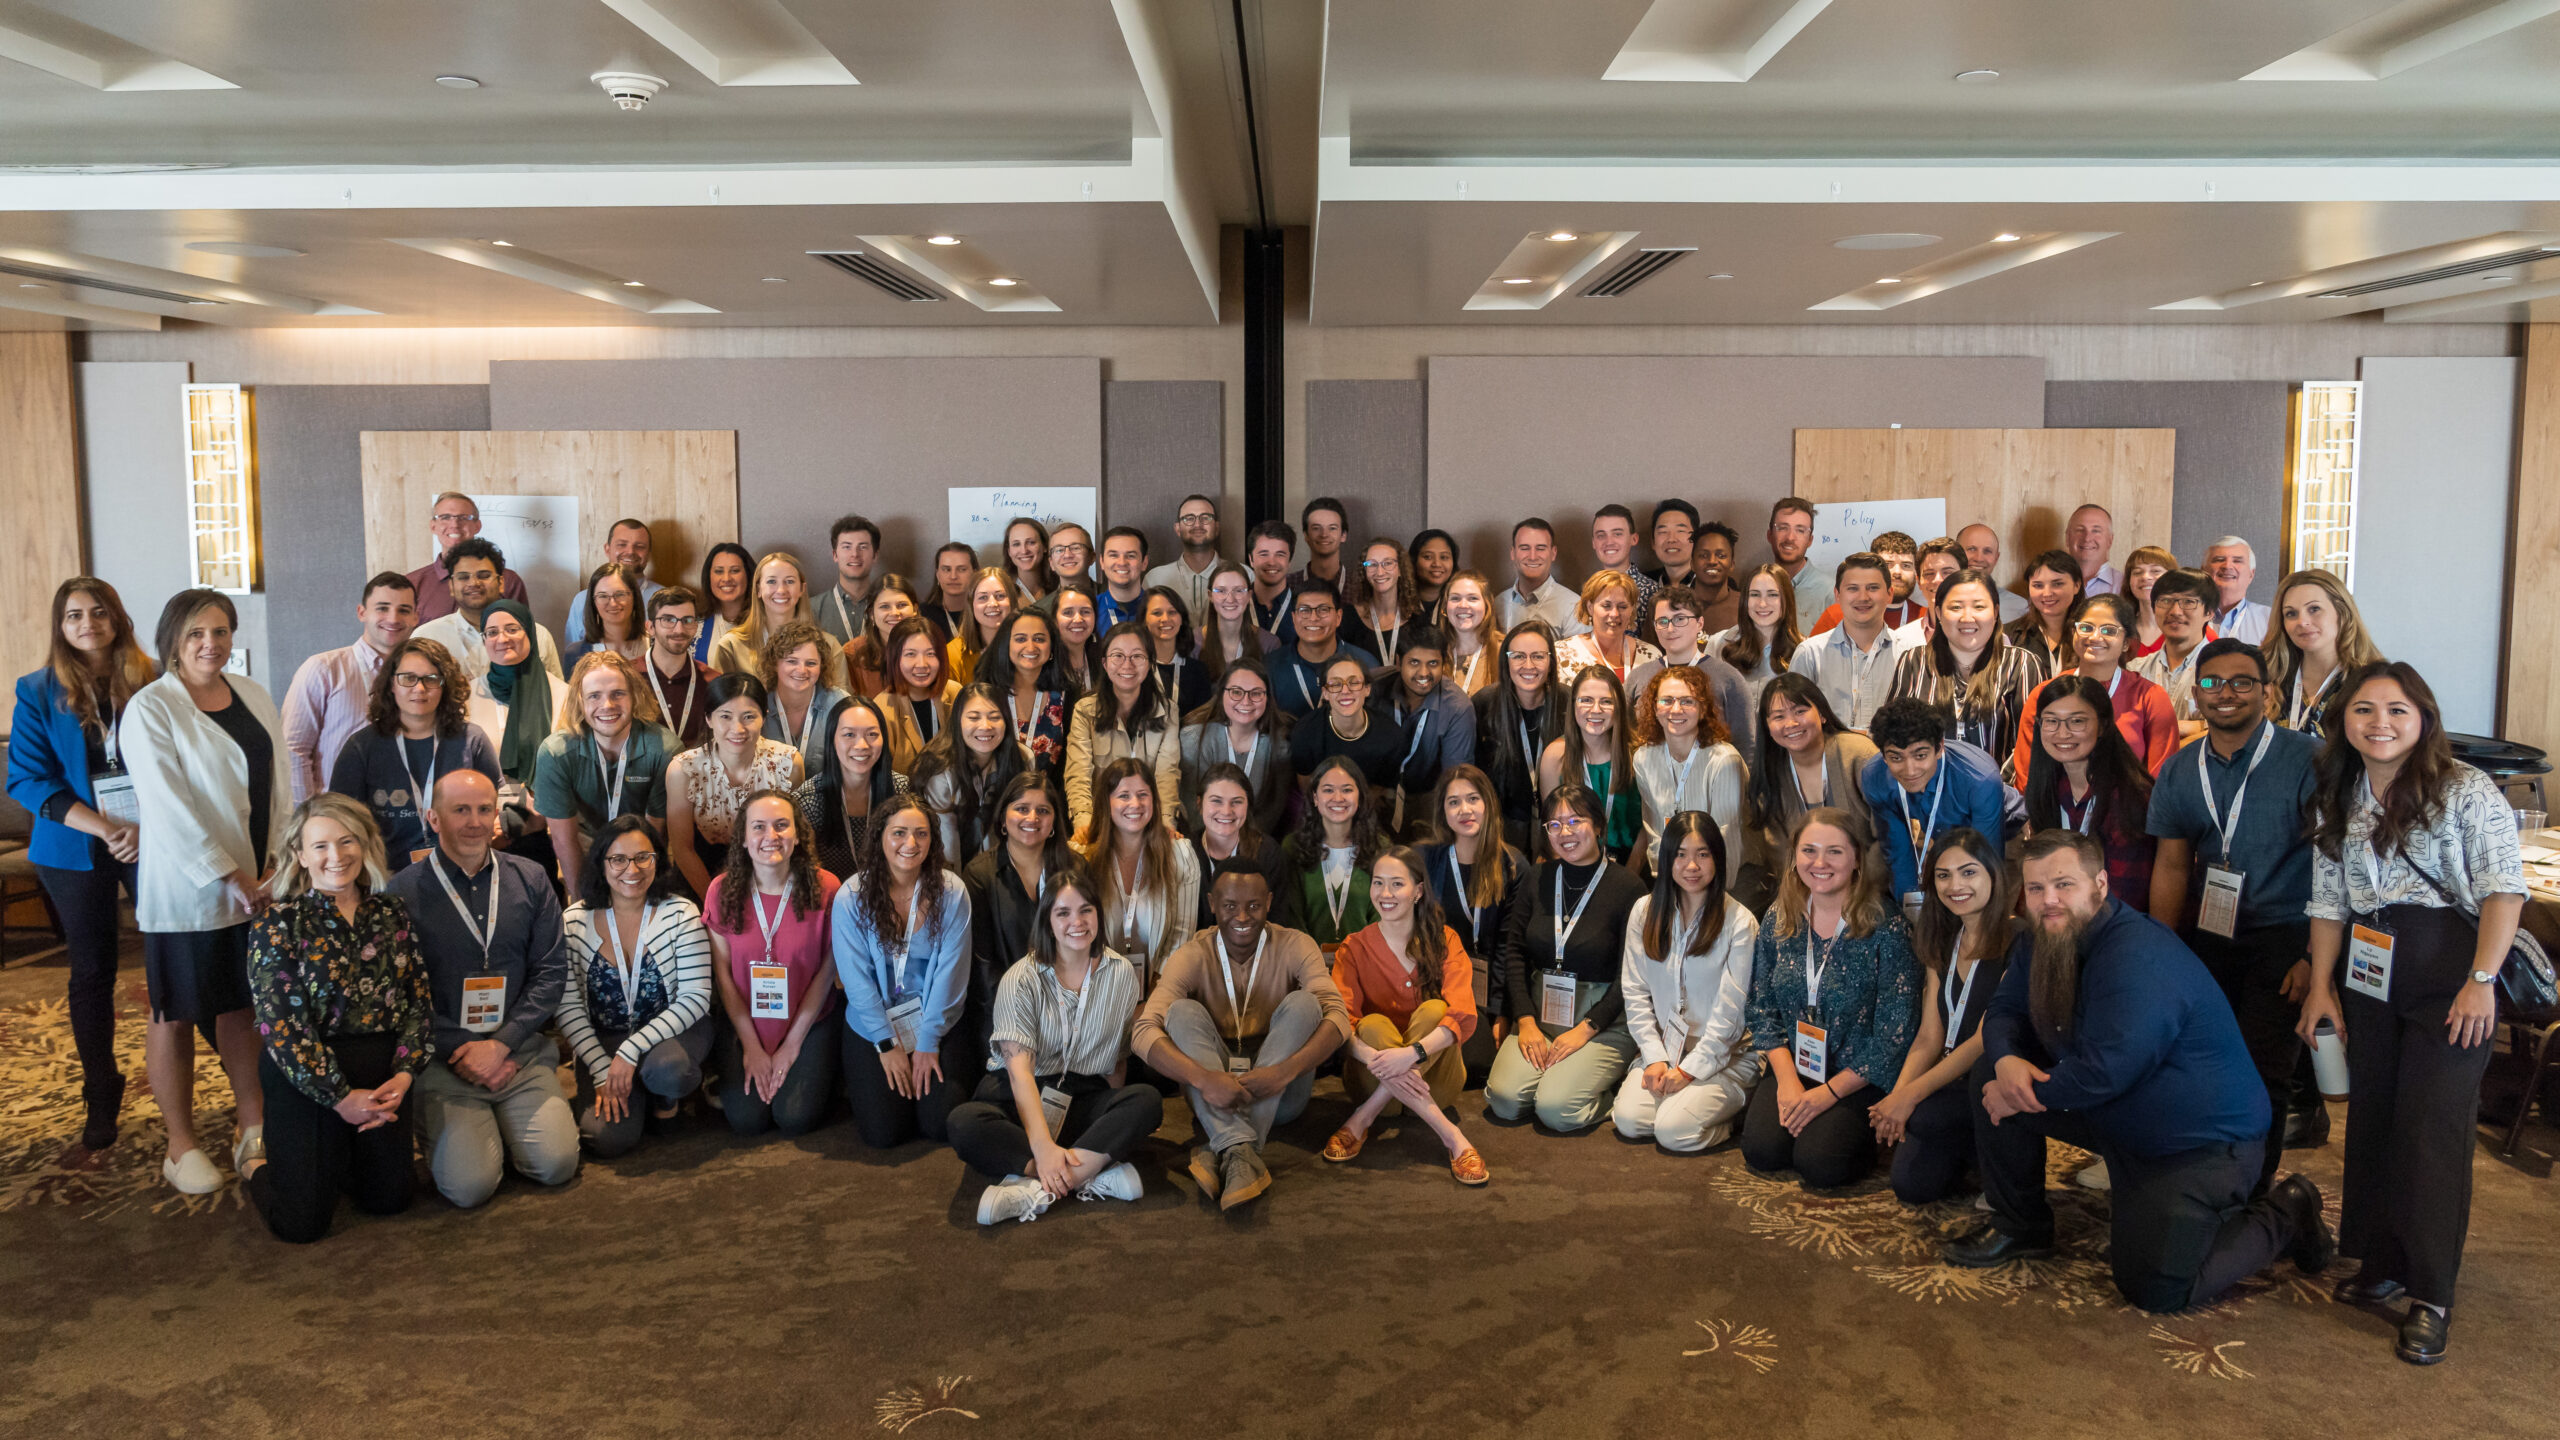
(1181, 188)
(48, 302)
(1979, 262)
(83, 56)
(737, 42)
(2403, 37)
(1713, 41)
(559, 274)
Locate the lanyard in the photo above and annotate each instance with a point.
(1169, 680)
(1812, 970)
(2204, 779)
(1413, 747)
(1226, 974)
(2372, 866)
(1951, 999)
(906, 942)
(1252, 754)
(808, 721)
(2300, 708)
(1928, 831)
(1023, 729)
(2088, 811)
(1298, 665)
(1564, 924)
(485, 935)
(419, 795)
(611, 780)
(692, 686)
(1681, 769)
(844, 614)
(755, 902)
(115, 748)
(1528, 751)
(629, 971)
(1388, 637)
(1682, 931)
(1475, 913)
(1279, 613)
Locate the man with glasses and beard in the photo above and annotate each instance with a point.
(2106, 1033)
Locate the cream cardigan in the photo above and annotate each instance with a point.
(192, 785)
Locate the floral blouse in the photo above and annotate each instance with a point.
(1044, 731)
(314, 978)
(717, 800)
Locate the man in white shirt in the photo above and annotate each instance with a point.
(1535, 595)
(332, 690)
(2231, 565)
(473, 568)
(2089, 537)
(1853, 661)
(844, 610)
(1982, 552)
(1195, 524)
(1613, 544)
(626, 543)
(1790, 536)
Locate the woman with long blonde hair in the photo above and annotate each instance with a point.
(777, 594)
(2319, 636)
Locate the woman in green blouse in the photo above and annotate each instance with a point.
(1595, 753)
(340, 995)
(1329, 856)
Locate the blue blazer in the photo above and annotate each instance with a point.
(48, 756)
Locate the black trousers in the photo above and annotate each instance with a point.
(86, 902)
(2250, 967)
(2414, 1101)
(2185, 1226)
(1838, 1148)
(1937, 1146)
(313, 1156)
(883, 1117)
(808, 1087)
(1107, 1119)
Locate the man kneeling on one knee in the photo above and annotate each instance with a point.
(497, 961)
(2109, 1034)
(1241, 1017)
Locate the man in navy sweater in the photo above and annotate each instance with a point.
(1922, 785)
(2108, 1034)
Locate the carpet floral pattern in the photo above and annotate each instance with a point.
(41, 1160)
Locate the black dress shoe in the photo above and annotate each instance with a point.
(105, 1101)
(2307, 1129)
(2422, 1336)
(2371, 1291)
(1992, 1246)
(2313, 1247)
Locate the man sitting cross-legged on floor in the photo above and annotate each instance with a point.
(1241, 1017)
(2108, 1034)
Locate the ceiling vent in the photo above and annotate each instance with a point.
(868, 268)
(24, 270)
(1635, 270)
(2460, 268)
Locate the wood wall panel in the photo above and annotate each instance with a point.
(2023, 483)
(683, 482)
(39, 491)
(2532, 712)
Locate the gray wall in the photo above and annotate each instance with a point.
(2231, 457)
(311, 497)
(1560, 436)
(2432, 488)
(817, 438)
(133, 458)
(1366, 448)
(1162, 440)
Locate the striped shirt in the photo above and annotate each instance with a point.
(1034, 1011)
(673, 976)
(2017, 674)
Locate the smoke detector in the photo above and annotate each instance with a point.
(629, 90)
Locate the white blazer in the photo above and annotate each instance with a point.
(1694, 1019)
(192, 785)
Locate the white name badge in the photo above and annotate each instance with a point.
(1556, 992)
(2220, 912)
(1239, 1064)
(769, 992)
(484, 1003)
(114, 798)
(2369, 962)
(902, 1023)
(1053, 1108)
(1813, 1052)
(1911, 907)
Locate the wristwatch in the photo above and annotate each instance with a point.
(1420, 1055)
(2484, 977)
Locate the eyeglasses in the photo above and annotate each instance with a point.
(1669, 618)
(1522, 657)
(2177, 602)
(2087, 630)
(626, 863)
(679, 622)
(2065, 724)
(2236, 684)
(1197, 517)
(1567, 825)
(1311, 610)
(1344, 687)
(418, 682)
(1378, 565)
(1243, 692)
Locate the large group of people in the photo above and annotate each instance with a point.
(1891, 856)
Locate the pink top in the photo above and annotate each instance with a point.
(799, 943)
(325, 705)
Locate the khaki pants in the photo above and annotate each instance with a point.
(1445, 1073)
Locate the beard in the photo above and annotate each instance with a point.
(2053, 977)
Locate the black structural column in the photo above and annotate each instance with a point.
(1265, 391)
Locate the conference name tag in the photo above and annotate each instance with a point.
(902, 1023)
(769, 992)
(1556, 993)
(484, 1003)
(419, 855)
(2369, 962)
(1911, 907)
(113, 797)
(2220, 912)
(1813, 1052)
(1053, 1108)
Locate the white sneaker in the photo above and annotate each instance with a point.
(2093, 1178)
(191, 1174)
(1120, 1182)
(1012, 1198)
(252, 1145)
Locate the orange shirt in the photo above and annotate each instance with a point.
(1373, 981)
(2143, 716)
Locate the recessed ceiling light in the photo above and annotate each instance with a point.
(1885, 240)
(508, 243)
(1562, 236)
(942, 239)
(2254, 284)
(243, 249)
(32, 285)
(1003, 280)
(457, 82)
(773, 280)
(1518, 280)
(1889, 280)
(1720, 275)
(2005, 237)
(204, 302)
(1976, 77)
(635, 284)
(2551, 247)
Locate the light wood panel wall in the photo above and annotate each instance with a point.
(683, 482)
(2022, 483)
(40, 545)
(2532, 710)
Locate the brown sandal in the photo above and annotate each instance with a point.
(1468, 1167)
(1344, 1146)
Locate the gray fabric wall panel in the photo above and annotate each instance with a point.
(1366, 447)
(2231, 456)
(817, 438)
(133, 462)
(1162, 440)
(311, 499)
(1561, 436)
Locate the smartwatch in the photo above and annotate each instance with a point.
(1420, 1055)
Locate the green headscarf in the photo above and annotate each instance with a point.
(525, 689)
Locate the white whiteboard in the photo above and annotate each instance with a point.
(979, 515)
(1842, 528)
(539, 536)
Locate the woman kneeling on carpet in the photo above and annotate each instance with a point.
(1051, 1115)
(340, 996)
(1410, 987)
(1686, 975)
(1967, 924)
(637, 1009)
(1834, 999)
